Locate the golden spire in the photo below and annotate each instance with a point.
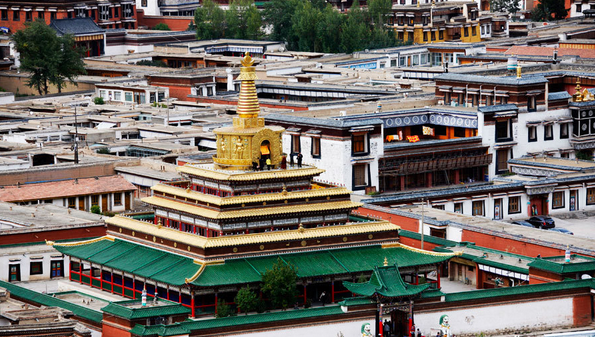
(518, 71)
(578, 96)
(385, 263)
(248, 102)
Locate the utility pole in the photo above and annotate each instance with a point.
(76, 138)
(423, 201)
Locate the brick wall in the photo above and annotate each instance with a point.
(582, 309)
(175, 23)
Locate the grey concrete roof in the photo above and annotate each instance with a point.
(76, 26)
(498, 108)
(323, 122)
(505, 80)
(558, 95)
(148, 172)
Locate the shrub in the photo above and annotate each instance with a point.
(223, 310)
(95, 209)
(98, 100)
(161, 26)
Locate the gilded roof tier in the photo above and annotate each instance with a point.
(248, 239)
(248, 176)
(230, 130)
(245, 199)
(250, 212)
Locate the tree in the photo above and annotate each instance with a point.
(253, 22)
(328, 30)
(51, 59)
(548, 10)
(95, 209)
(246, 299)
(223, 310)
(508, 6)
(161, 26)
(279, 284)
(210, 21)
(379, 10)
(355, 30)
(278, 15)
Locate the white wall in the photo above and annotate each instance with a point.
(349, 329)
(21, 256)
(500, 319)
(122, 49)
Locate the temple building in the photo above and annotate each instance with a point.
(227, 222)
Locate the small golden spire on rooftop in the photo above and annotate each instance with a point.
(385, 263)
(248, 101)
(518, 71)
(578, 95)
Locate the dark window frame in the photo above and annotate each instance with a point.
(558, 199)
(564, 130)
(36, 268)
(549, 127)
(315, 147)
(514, 205)
(530, 130)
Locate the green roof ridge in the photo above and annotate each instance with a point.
(121, 310)
(428, 238)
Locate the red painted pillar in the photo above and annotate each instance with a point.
(429, 179)
(416, 278)
(380, 330)
(332, 291)
(457, 177)
(192, 304)
(438, 278)
(402, 182)
(70, 270)
(81, 272)
(409, 325)
(216, 302)
(305, 293)
(133, 289)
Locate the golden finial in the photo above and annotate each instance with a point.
(301, 228)
(518, 71)
(159, 224)
(578, 96)
(247, 61)
(385, 263)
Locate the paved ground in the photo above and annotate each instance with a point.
(54, 286)
(580, 227)
(454, 286)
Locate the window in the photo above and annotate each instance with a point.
(425, 36)
(591, 196)
(531, 103)
(4, 15)
(16, 15)
(503, 100)
(548, 132)
(57, 268)
(53, 16)
(532, 133)
(466, 31)
(514, 205)
(41, 15)
(95, 200)
(477, 208)
(359, 144)
(359, 175)
(459, 207)
(459, 132)
(558, 199)
(564, 130)
(579, 8)
(103, 13)
(14, 273)
(117, 95)
(80, 12)
(503, 131)
(316, 147)
(473, 30)
(295, 144)
(143, 3)
(127, 10)
(128, 96)
(411, 22)
(72, 202)
(441, 35)
(501, 160)
(438, 207)
(116, 12)
(117, 199)
(482, 30)
(433, 37)
(36, 268)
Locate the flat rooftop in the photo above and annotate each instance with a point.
(44, 216)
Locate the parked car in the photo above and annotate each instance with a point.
(561, 230)
(523, 223)
(542, 221)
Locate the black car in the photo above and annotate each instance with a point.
(542, 221)
(523, 223)
(561, 230)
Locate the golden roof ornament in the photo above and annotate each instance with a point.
(385, 263)
(578, 96)
(518, 71)
(248, 106)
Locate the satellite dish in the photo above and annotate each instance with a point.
(585, 277)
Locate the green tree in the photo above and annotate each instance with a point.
(210, 21)
(328, 30)
(379, 11)
(246, 299)
(278, 14)
(549, 10)
(355, 30)
(253, 22)
(508, 6)
(223, 310)
(51, 59)
(161, 26)
(95, 209)
(303, 27)
(278, 284)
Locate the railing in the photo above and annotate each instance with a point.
(436, 165)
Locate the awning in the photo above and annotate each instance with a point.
(208, 143)
(264, 150)
(105, 125)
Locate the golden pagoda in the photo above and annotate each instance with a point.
(248, 140)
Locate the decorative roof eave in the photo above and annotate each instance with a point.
(421, 251)
(78, 243)
(246, 239)
(201, 269)
(251, 176)
(252, 212)
(245, 199)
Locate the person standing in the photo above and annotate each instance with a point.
(323, 295)
(268, 163)
(299, 160)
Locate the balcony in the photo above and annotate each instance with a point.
(414, 167)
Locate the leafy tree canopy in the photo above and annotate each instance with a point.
(51, 59)
(278, 284)
(549, 10)
(246, 299)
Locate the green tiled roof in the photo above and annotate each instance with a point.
(526, 289)
(521, 268)
(313, 264)
(386, 282)
(350, 301)
(49, 301)
(187, 326)
(135, 259)
(165, 308)
(175, 269)
(559, 267)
